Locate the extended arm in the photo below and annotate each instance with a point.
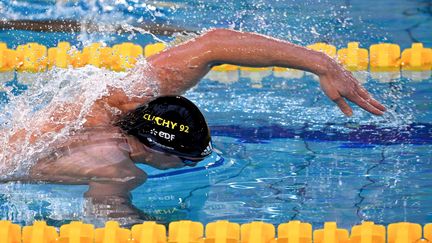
(181, 67)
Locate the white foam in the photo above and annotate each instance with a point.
(81, 87)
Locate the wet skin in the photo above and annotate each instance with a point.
(178, 69)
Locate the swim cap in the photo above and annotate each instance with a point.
(171, 124)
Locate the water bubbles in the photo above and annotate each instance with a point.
(108, 8)
(151, 7)
(314, 32)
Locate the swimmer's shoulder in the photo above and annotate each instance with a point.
(120, 100)
(112, 106)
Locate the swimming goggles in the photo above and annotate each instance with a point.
(185, 160)
(190, 162)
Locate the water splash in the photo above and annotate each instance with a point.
(72, 91)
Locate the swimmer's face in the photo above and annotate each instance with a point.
(163, 161)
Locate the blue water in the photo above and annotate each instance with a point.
(293, 157)
(288, 152)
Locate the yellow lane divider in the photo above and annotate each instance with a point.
(149, 232)
(39, 232)
(384, 57)
(330, 50)
(331, 233)
(33, 57)
(368, 232)
(59, 56)
(427, 232)
(186, 231)
(9, 233)
(222, 231)
(125, 56)
(257, 232)
(353, 57)
(417, 58)
(8, 58)
(294, 231)
(76, 232)
(112, 233)
(152, 49)
(404, 232)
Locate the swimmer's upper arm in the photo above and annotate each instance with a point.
(181, 67)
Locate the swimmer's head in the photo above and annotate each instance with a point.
(172, 125)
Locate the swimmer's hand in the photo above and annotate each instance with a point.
(339, 84)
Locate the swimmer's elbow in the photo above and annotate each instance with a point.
(133, 176)
(214, 43)
(213, 37)
(219, 33)
(122, 174)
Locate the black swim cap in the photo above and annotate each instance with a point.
(171, 124)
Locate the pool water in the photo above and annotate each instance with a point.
(288, 152)
(290, 156)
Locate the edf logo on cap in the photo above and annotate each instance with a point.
(166, 135)
(162, 134)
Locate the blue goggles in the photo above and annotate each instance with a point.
(189, 162)
(186, 161)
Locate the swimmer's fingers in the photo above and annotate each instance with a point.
(368, 98)
(339, 83)
(343, 106)
(365, 104)
(357, 94)
(334, 95)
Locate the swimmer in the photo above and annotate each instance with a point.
(168, 131)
